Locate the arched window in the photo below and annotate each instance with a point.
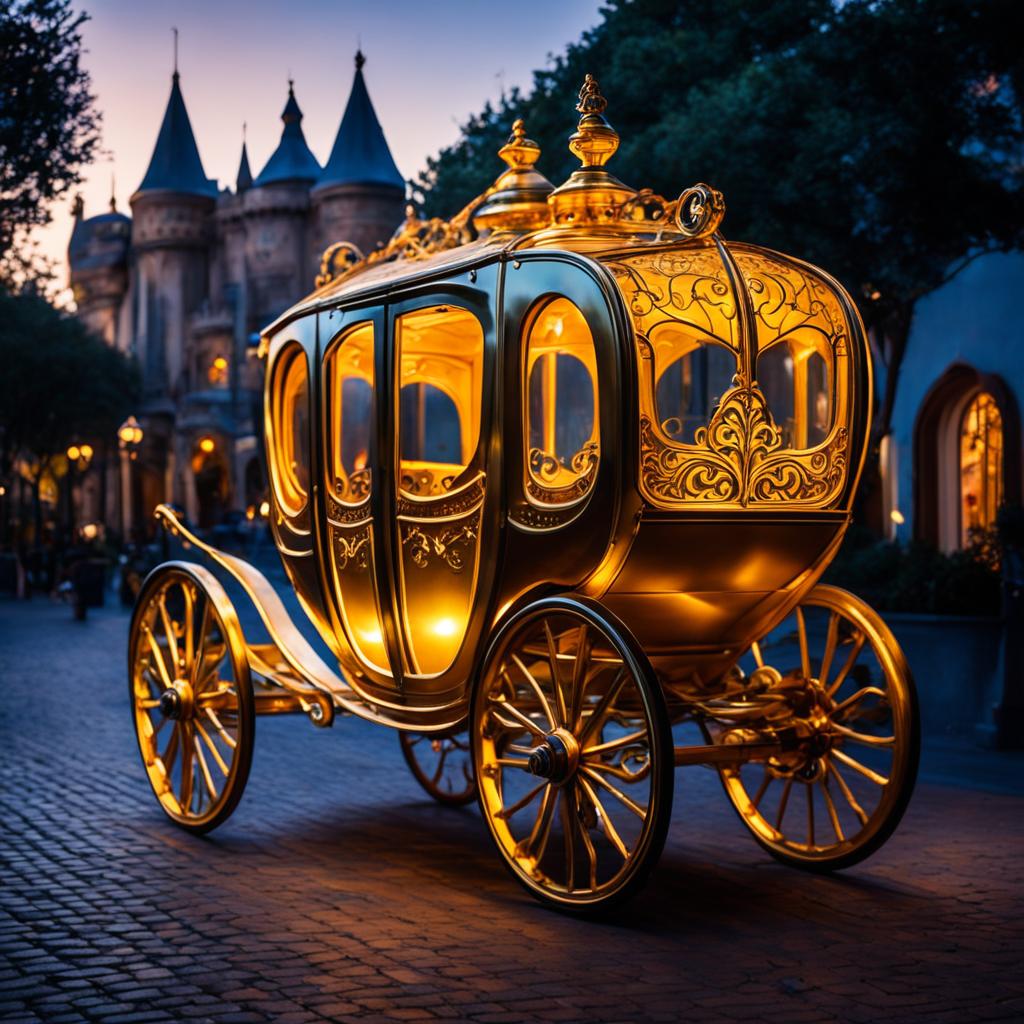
(349, 420)
(290, 412)
(981, 466)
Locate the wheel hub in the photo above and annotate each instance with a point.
(176, 701)
(555, 757)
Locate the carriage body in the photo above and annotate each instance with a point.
(555, 481)
(591, 392)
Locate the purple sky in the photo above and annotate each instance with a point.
(429, 65)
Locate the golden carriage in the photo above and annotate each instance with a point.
(555, 482)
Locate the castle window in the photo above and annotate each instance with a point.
(217, 374)
(981, 466)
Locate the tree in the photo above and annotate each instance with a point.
(49, 127)
(60, 385)
(881, 139)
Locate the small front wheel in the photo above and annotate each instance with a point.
(191, 695)
(573, 754)
(442, 765)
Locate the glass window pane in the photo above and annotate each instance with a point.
(441, 352)
(350, 413)
(562, 402)
(693, 376)
(291, 419)
(795, 376)
(981, 467)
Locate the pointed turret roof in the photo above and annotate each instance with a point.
(360, 155)
(175, 165)
(292, 160)
(243, 179)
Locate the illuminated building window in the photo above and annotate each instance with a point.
(981, 466)
(218, 371)
(562, 402)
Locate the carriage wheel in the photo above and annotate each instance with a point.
(442, 765)
(573, 754)
(839, 795)
(191, 694)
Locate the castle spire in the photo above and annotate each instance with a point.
(243, 179)
(175, 165)
(292, 160)
(360, 155)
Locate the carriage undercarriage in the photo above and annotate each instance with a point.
(568, 745)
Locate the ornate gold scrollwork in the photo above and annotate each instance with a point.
(545, 468)
(444, 540)
(337, 260)
(736, 459)
(699, 211)
(352, 549)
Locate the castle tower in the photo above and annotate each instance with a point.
(98, 266)
(360, 194)
(276, 212)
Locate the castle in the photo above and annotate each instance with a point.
(188, 280)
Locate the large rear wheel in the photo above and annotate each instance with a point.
(573, 754)
(839, 791)
(191, 695)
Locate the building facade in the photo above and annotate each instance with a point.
(186, 283)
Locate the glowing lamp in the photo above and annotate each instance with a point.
(207, 444)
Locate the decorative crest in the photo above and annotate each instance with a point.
(591, 101)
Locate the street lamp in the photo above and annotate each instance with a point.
(79, 456)
(129, 436)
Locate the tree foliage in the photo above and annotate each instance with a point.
(60, 384)
(49, 127)
(881, 139)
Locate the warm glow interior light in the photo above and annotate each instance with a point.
(264, 509)
(446, 627)
(371, 636)
(250, 512)
(74, 452)
(897, 517)
(86, 450)
(220, 363)
(207, 444)
(90, 531)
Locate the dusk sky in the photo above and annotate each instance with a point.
(429, 65)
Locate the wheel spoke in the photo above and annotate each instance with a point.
(584, 834)
(579, 677)
(170, 753)
(197, 665)
(188, 768)
(556, 683)
(506, 812)
(189, 623)
(831, 807)
(865, 691)
(524, 720)
(878, 780)
(755, 649)
(606, 823)
(600, 712)
(862, 816)
(831, 637)
(213, 749)
(172, 636)
(439, 771)
(809, 788)
(536, 843)
(616, 744)
(765, 782)
(783, 803)
(224, 735)
(805, 658)
(863, 738)
(207, 778)
(535, 686)
(158, 655)
(640, 812)
(851, 660)
(567, 837)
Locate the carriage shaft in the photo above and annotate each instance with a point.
(725, 753)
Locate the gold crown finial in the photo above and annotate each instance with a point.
(595, 140)
(520, 153)
(591, 101)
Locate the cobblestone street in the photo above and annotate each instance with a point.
(339, 891)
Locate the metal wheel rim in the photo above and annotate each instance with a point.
(830, 809)
(613, 843)
(215, 737)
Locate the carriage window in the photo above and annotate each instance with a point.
(562, 412)
(290, 411)
(441, 353)
(350, 413)
(692, 375)
(795, 376)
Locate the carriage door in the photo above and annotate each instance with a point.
(442, 355)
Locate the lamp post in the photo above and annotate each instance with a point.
(129, 438)
(79, 457)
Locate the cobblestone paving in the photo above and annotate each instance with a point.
(338, 891)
